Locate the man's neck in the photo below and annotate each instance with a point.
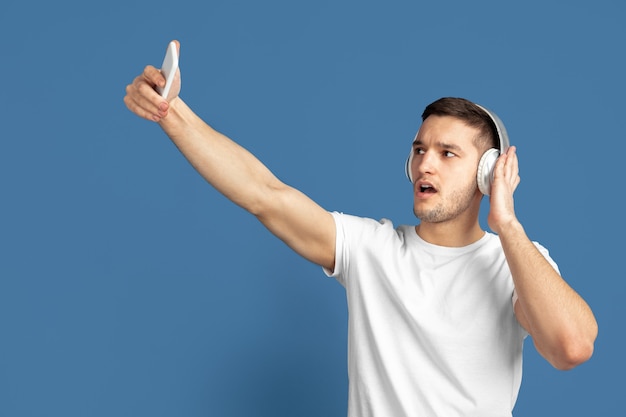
(452, 233)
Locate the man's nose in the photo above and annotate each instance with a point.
(426, 163)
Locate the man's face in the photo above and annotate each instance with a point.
(444, 165)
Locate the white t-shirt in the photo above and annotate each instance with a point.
(432, 331)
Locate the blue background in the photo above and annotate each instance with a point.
(130, 287)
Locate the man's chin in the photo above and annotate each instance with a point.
(430, 216)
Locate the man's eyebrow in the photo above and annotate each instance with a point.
(439, 144)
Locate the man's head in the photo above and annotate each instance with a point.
(447, 161)
(492, 139)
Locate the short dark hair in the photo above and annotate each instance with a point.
(469, 113)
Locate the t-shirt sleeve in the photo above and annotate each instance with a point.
(546, 255)
(356, 238)
(340, 244)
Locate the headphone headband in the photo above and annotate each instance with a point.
(502, 135)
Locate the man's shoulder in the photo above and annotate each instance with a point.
(369, 232)
(381, 225)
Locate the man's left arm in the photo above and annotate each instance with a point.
(560, 322)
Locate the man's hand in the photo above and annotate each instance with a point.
(505, 181)
(143, 100)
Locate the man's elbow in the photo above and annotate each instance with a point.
(572, 354)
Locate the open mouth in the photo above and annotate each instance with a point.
(426, 188)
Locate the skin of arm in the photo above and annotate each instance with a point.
(289, 214)
(560, 322)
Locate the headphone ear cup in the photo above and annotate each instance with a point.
(486, 165)
(407, 166)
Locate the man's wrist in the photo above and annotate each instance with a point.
(510, 228)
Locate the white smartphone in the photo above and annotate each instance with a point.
(169, 67)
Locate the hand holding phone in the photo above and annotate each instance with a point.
(169, 67)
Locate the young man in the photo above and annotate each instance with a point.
(437, 312)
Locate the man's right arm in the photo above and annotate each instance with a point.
(289, 214)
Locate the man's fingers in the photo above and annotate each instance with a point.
(153, 76)
(507, 168)
(143, 100)
(136, 107)
(148, 97)
(510, 167)
(132, 106)
(512, 164)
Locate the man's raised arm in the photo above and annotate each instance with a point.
(289, 214)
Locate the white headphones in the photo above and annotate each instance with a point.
(487, 162)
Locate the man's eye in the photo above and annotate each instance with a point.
(419, 151)
(449, 154)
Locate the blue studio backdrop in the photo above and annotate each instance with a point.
(130, 287)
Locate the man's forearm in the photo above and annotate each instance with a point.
(559, 320)
(227, 166)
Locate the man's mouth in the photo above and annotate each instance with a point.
(426, 188)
